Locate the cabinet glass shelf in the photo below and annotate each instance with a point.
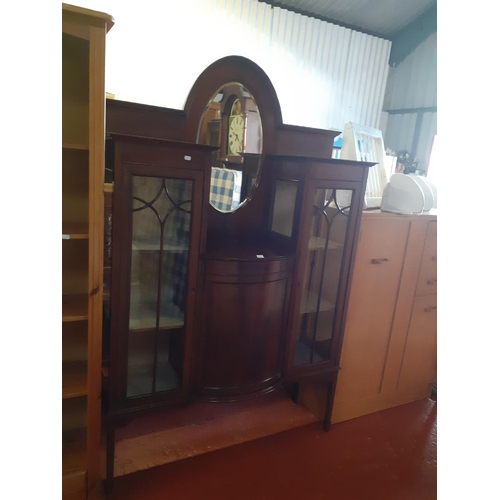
(318, 243)
(310, 304)
(139, 379)
(155, 246)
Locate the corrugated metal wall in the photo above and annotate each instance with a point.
(324, 75)
(413, 86)
(415, 79)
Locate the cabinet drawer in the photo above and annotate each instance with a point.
(427, 278)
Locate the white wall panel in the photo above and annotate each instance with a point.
(324, 75)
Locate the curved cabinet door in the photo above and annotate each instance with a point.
(244, 319)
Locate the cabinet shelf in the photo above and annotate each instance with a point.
(310, 303)
(167, 247)
(74, 451)
(74, 380)
(74, 308)
(75, 231)
(140, 379)
(148, 321)
(302, 355)
(317, 243)
(75, 145)
(143, 313)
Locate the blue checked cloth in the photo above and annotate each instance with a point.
(225, 188)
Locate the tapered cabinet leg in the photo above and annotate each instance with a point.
(327, 421)
(110, 459)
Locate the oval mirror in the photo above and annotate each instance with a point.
(231, 121)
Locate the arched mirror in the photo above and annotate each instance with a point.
(231, 121)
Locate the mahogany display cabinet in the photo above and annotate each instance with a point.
(233, 238)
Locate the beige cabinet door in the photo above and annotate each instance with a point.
(418, 369)
(374, 292)
(427, 279)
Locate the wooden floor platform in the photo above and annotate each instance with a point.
(170, 435)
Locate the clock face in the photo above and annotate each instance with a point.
(235, 135)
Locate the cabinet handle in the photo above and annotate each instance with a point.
(379, 261)
(430, 309)
(434, 258)
(431, 282)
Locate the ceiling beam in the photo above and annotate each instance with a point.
(327, 19)
(407, 39)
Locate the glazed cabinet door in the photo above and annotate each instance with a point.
(156, 242)
(325, 243)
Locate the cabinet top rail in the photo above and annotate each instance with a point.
(80, 11)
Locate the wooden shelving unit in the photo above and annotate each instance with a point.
(83, 106)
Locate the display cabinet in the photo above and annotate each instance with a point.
(159, 194)
(213, 299)
(316, 206)
(83, 107)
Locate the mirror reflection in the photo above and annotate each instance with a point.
(231, 122)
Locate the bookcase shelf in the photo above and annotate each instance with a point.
(75, 145)
(75, 231)
(74, 380)
(74, 451)
(74, 308)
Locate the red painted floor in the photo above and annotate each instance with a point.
(389, 455)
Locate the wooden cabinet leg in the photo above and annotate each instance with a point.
(327, 421)
(294, 390)
(110, 458)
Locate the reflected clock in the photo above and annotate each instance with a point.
(235, 135)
